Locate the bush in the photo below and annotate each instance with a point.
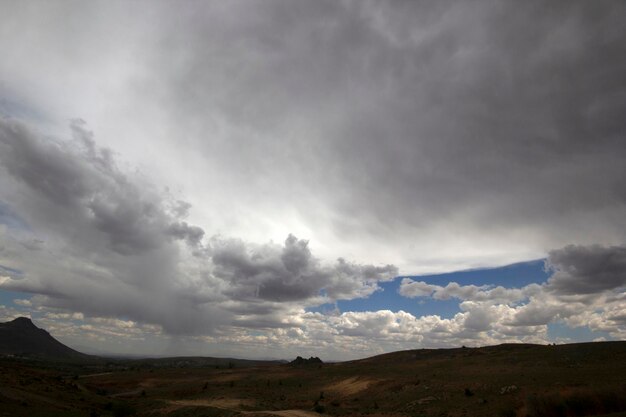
(576, 404)
(507, 412)
(546, 406)
(123, 410)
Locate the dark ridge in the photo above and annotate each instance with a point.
(570, 350)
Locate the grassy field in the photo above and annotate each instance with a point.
(504, 381)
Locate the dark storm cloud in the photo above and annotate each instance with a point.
(108, 236)
(503, 116)
(43, 166)
(269, 272)
(83, 179)
(291, 273)
(6, 271)
(181, 230)
(581, 270)
(429, 128)
(9, 218)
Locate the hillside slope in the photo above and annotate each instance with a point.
(21, 337)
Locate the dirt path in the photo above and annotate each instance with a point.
(284, 413)
(94, 375)
(350, 386)
(233, 404)
(127, 393)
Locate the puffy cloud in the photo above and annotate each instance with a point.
(181, 230)
(412, 289)
(586, 288)
(291, 272)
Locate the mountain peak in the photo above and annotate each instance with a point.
(23, 322)
(20, 337)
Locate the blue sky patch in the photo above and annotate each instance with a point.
(510, 276)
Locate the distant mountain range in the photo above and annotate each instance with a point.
(22, 338)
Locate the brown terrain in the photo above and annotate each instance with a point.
(505, 380)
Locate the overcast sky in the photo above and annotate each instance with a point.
(210, 176)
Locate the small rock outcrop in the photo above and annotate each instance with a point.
(302, 361)
(508, 389)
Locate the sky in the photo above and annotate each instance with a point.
(266, 179)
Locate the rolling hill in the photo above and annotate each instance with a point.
(509, 380)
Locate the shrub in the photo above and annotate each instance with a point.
(546, 406)
(507, 412)
(577, 404)
(123, 410)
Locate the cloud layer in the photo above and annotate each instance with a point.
(95, 240)
(416, 134)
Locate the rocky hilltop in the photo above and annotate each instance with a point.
(302, 361)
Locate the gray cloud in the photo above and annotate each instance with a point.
(107, 236)
(181, 230)
(581, 270)
(268, 271)
(82, 179)
(112, 247)
(291, 272)
(447, 111)
(379, 127)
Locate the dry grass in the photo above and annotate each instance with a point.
(563, 381)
